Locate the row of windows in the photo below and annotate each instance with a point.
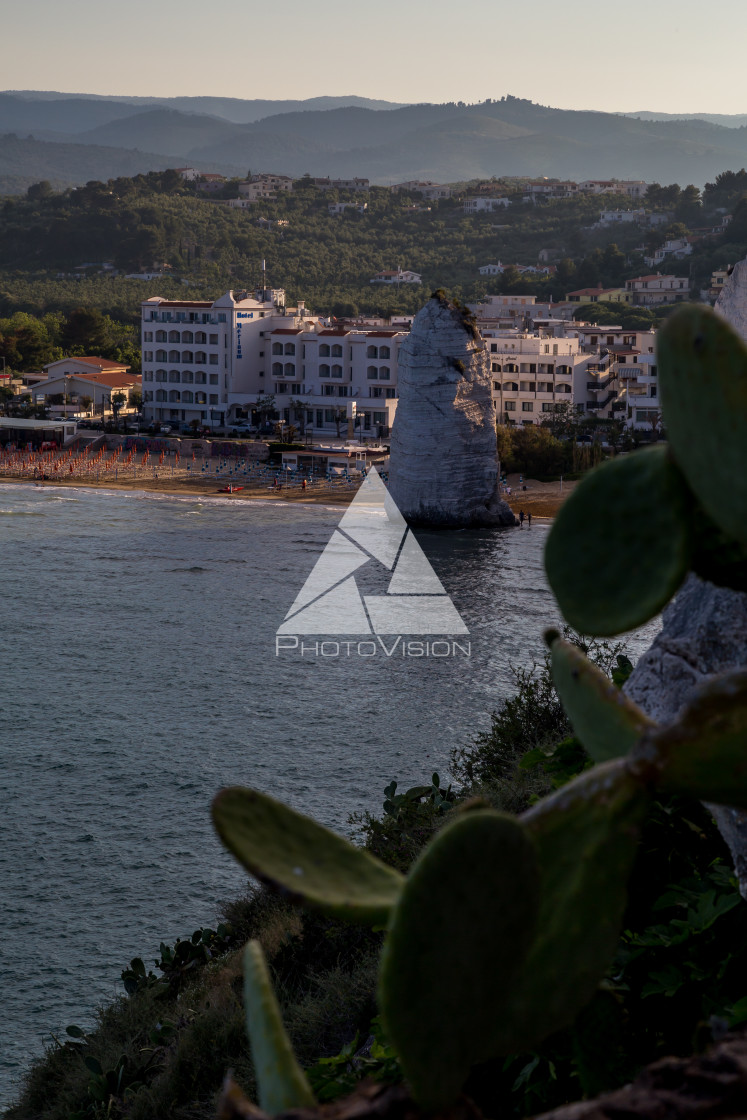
(545, 349)
(189, 317)
(382, 374)
(183, 336)
(531, 387)
(184, 357)
(185, 397)
(530, 367)
(528, 406)
(326, 351)
(186, 377)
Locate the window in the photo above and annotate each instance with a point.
(324, 371)
(493, 347)
(200, 378)
(342, 391)
(147, 355)
(653, 389)
(160, 375)
(213, 359)
(160, 355)
(337, 371)
(337, 351)
(174, 396)
(375, 391)
(510, 406)
(200, 358)
(160, 336)
(532, 367)
(200, 337)
(497, 386)
(546, 349)
(213, 340)
(384, 352)
(527, 406)
(277, 348)
(187, 357)
(200, 398)
(148, 336)
(160, 394)
(329, 416)
(187, 336)
(372, 352)
(511, 386)
(390, 392)
(495, 368)
(213, 378)
(213, 398)
(324, 350)
(384, 373)
(174, 355)
(277, 369)
(174, 336)
(372, 373)
(147, 377)
(187, 397)
(290, 369)
(174, 376)
(187, 376)
(148, 394)
(379, 418)
(547, 406)
(290, 348)
(555, 350)
(329, 390)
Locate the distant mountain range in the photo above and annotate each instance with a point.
(79, 137)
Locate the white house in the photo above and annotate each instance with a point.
(647, 291)
(622, 217)
(397, 276)
(491, 269)
(484, 205)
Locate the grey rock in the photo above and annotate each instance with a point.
(732, 301)
(444, 469)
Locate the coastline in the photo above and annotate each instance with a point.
(541, 499)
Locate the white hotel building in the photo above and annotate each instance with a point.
(532, 373)
(212, 361)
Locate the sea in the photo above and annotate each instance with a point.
(139, 674)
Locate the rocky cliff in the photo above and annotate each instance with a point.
(444, 463)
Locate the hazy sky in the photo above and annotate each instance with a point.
(668, 55)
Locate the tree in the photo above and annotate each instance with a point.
(298, 408)
(136, 399)
(265, 407)
(117, 400)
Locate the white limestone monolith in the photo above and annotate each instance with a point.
(444, 468)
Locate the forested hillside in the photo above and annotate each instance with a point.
(53, 246)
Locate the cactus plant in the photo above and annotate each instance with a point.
(703, 385)
(620, 546)
(281, 1082)
(603, 718)
(704, 753)
(304, 860)
(454, 951)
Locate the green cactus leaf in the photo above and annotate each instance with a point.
(304, 860)
(456, 942)
(604, 719)
(704, 753)
(716, 556)
(586, 837)
(281, 1083)
(703, 385)
(620, 545)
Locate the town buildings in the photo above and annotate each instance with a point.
(92, 378)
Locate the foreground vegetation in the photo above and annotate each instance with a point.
(163, 1049)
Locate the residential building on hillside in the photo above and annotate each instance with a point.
(342, 184)
(676, 247)
(532, 374)
(341, 207)
(487, 205)
(83, 365)
(397, 276)
(718, 278)
(429, 190)
(648, 291)
(599, 294)
(622, 217)
(491, 269)
(542, 189)
(273, 182)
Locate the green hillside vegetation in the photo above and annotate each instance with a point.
(156, 220)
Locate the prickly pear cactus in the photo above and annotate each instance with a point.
(620, 546)
(703, 385)
(704, 753)
(304, 860)
(607, 723)
(281, 1082)
(454, 951)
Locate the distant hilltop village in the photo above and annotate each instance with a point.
(248, 355)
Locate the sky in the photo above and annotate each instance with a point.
(663, 55)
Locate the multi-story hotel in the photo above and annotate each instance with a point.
(213, 361)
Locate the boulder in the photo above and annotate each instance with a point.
(444, 469)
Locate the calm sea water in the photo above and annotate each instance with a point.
(139, 675)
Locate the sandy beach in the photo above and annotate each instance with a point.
(541, 499)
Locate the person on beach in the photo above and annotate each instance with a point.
(521, 518)
(529, 519)
(303, 484)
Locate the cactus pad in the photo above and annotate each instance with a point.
(620, 546)
(703, 754)
(716, 556)
(703, 385)
(604, 719)
(456, 942)
(587, 838)
(304, 860)
(281, 1083)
